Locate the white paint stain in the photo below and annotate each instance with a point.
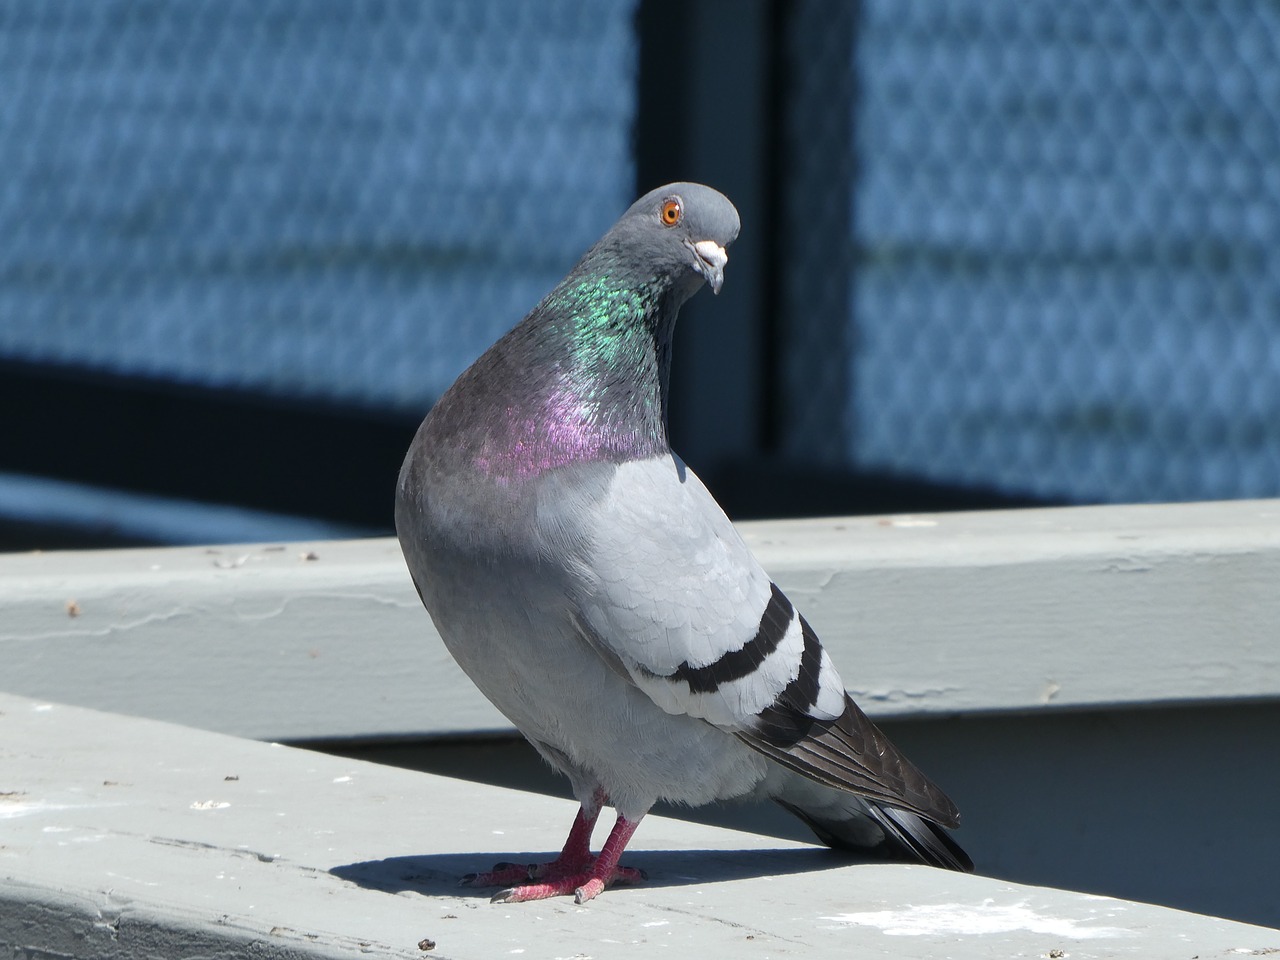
(976, 920)
(25, 808)
(910, 522)
(210, 805)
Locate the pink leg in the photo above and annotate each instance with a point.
(586, 882)
(575, 856)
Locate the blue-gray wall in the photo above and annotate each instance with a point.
(1014, 247)
(343, 200)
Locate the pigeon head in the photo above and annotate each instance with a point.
(677, 233)
(583, 378)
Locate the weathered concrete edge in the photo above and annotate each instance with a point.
(150, 880)
(51, 922)
(926, 616)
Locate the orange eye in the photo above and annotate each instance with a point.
(671, 212)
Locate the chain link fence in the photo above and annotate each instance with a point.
(1030, 247)
(345, 199)
(1065, 232)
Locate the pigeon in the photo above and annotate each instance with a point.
(592, 588)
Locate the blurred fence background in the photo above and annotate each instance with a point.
(994, 252)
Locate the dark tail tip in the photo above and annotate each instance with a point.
(923, 839)
(907, 836)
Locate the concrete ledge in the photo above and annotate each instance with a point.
(926, 616)
(125, 837)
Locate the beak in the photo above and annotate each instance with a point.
(709, 259)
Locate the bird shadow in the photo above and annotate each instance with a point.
(438, 874)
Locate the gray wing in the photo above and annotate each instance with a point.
(677, 602)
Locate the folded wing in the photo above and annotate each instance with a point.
(677, 602)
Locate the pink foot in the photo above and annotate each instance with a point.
(584, 886)
(576, 857)
(522, 874)
(584, 880)
(506, 874)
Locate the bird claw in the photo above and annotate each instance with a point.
(588, 890)
(576, 871)
(584, 885)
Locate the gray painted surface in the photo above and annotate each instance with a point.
(925, 616)
(126, 837)
(1175, 806)
(1099, 688)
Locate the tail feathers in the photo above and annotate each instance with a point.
(923, 838)
(901, 833)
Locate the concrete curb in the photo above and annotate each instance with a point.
(124, 837)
